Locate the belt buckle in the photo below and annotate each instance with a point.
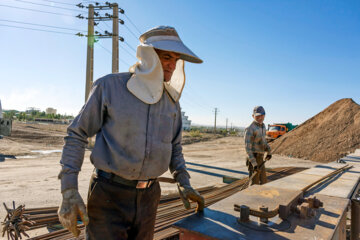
(142, 184)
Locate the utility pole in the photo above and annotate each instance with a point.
(115, 39)
(226, 124)
(90, 52)
(216, 110)
(93, 20)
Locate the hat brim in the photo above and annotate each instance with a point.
(176, 46)
(259, 114)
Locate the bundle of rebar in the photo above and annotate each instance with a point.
(16, 222)
(170, 209)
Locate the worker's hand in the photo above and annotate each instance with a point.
(268, 157)
(253, 163)
(188, 193)
(72, 205)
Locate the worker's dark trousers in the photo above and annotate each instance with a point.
(121, 212)
(260, 178)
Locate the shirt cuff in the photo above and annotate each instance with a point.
(183, 178)
(69, 181)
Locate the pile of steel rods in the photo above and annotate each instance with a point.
(170, 209)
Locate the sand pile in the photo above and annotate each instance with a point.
(326, 137)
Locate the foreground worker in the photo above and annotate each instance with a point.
(256, 145)
(137, 121)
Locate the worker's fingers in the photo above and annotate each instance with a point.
(83, 214)
(68, 218)
(73, 219)
(183, 197)
(196, 197)
(186, 203)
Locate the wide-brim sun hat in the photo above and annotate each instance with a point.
(147, 81)
(166, 38)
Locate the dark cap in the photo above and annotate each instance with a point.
(258, 110)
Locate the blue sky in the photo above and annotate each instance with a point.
(294, 58)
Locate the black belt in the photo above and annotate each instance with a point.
(132, 183)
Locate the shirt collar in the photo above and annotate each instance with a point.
(258, 124)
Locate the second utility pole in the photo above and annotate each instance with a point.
(115, 39)
(216, 112)
(90, 52)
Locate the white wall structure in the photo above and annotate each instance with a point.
(186, 123)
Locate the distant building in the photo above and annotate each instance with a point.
(186, 123)
(32, 110)
(51, 110)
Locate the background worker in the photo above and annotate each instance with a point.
(137, 121)
(256, 145)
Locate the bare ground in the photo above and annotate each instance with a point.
(32, 179)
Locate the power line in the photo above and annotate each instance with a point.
(69, 4)
(130, 46)
(45, 5)
(132, 23)
(106, 24)
(132, 55)
(37, 29)
(122, 46)
(4, 20)
(107, 50)
(35, 10)
(194, 106)
(195, 102)
(119, 45)
(131, 32)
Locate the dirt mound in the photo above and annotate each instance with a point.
(328, 136)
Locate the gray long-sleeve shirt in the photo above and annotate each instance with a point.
(134, 140)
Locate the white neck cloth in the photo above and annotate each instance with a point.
(147, 83)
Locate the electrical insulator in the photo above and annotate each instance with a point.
(121, 11)
(121, 39)
(121, 21)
